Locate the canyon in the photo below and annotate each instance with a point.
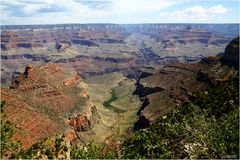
(57, 79)
(95, 49)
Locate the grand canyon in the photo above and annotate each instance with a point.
(101, 83)
(95, 49)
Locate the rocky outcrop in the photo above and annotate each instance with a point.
(28, 69)
(63, 46)
(82, 123)
(42, 99)
(73, 81)
(231, 54)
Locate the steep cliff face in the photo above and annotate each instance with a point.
(36, 38)
(84, 122)
(47, 100)
(175, 84)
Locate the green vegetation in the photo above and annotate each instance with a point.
(54, 148)
(91, 151)
(113, 98)
(207, 127)
(107, 103)
(2, 104)
(8, 147)
(60, 148)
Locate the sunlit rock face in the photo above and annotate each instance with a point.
(42, 100)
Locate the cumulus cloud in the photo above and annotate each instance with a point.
(77, 11)
(219, 9)
(197, 13)
(99, 11)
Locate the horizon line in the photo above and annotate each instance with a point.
(114, 23)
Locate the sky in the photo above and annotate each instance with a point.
(20, 12)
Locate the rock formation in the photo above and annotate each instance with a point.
(169, 87)
(28, 69)
(231, 55)
(42, 99)
(81, 123)
(63, 45)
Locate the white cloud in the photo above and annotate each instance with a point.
(197, 13)
(219, 9)
(95, 11)
(78, 11)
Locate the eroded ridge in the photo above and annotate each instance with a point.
(40, 101)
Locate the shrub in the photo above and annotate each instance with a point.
(207, 127)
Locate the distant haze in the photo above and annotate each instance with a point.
(17, 12)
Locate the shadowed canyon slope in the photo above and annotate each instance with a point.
(162, 90)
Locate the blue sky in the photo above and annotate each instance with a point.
(118, 11)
